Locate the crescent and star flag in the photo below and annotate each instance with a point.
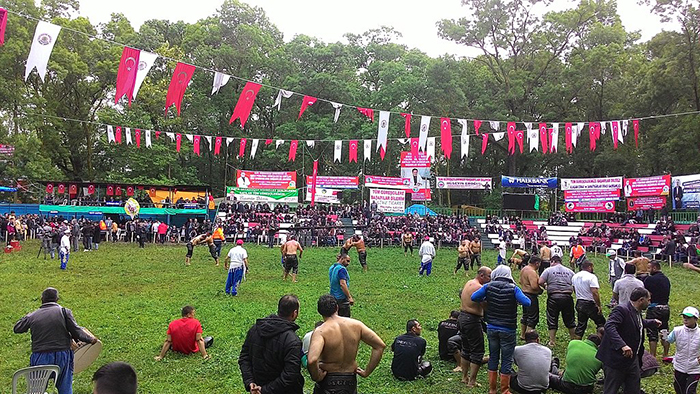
(126, 75)
(118, 134)
(282, 93)
(61, 188)
(110, 134)
(591, 135)
(146, 60)
(430, 149)
(110, 190)
(220, 79)
(314, 176)
(217, 146)
(195, 142)
(127, 134)
(567, 132)
(49, 188)
(254, 148)
(511, 137)
(484, 142)
(554, 138)
(245, 103)
(353, 151)
(91, 189)
(477, 124)
(635, 127)
(178, 84)
(157, 134)
(118, 191)
(307, 102)
(423, 132)
(519, 137)
(3, 24)
(293, 150)
(464, 139)
(544, 137)
(73, 189)
(152, 192)
(45, 37)
(407, 124)
(178, 142)
(148, 138)
(383, 132)
(615, 126)
(414, 147)
(446, 137)
(337, 108)
(337, 151)
(241, 148)
(129, 191)
(368, 112)
(137, 135)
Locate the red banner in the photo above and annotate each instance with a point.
(61, 188)
(178, 84)
(650, 186)
(266, 180)
(635, 204)
(129, 191)
(335, 182)
(73, 189)
(591, 195)
(590, 206)
(420, 195)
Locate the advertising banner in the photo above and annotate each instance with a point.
(512, 181)
(266, 180)
(650, 186)
(264, 195)
(643, 203)
(386, 182)
(7, 150)
(421, 195)
(686, 192)
(323, 195)
(443, 182)
(591, 195)
(388, 200)
(612, 183)
(335, 182)
(416, 169)
(590, 206)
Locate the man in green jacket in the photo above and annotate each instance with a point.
(581, 367)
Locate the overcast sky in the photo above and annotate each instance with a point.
(329, 20)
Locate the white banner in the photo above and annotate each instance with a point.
(220, 79)
(338, 151)
(110, 134)
(327, 196)
(146, 60)
(388, 200)
(383, 130)
(612, 183)
(45, 37)
(423, 135)
(444, 182)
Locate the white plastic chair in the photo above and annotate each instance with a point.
(37, 378)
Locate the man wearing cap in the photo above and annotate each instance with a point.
(616, 267)
(52, 327)
(427, 254)
(64, 249)
(659, 286)
(686, 369)
(237, 265)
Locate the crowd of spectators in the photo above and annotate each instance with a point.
(143, 199)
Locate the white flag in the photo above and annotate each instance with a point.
(190, 137)
(620, 135)
(423, 134)
(110, 134)
(403, 141)
(554, 141)
(368, 150)
(208, 138)
(146, 60)
(498, 136)
(278, 143)
(338, 152)
(602, 128)
(148, 138)
(254, 148)
(495, 125)
(220, 79)
(310, 143)
(337, 108)
(45, 37)
(430, 150)
(533, 136)
(383, 130)
(465, 138)
(127, 134)
(171, 136)
(282, 93)
(229, 140)
(575, 135)
(625, 125)
(528, 126)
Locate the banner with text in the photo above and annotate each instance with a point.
(388, 200)
(686, 192)
(650, 186)
(266, 180)
(421, 195)
(416, 169)
(335, 182)
(263, 195)
(635, 204)
(590, 206)
(512, 181)
(386, 182)
(591, 195)
(323, 195)
(443, 182)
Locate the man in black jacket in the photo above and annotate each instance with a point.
(270, 359)
(409, 350)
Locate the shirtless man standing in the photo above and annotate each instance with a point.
(289, 254)
(532, 289)
(545, 255)
(470, 319)
(359, 243)
(462, 257)
(475, 252)
(198, 240)
(407, 240)
(333, 350)
(519, 258)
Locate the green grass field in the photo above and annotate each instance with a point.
(127, 296)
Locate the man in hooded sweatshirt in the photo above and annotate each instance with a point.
(270, 359)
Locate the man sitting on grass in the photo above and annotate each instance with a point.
(185, 336)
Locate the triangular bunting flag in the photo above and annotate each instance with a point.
(446, 137)
(477, 124)
(591, 135)
(308, 101)
(245, 103)
(407, 124)
(171, 136)
(484, 142)
(423, 132)
(148, 138)
(519, 137)
(602, 128)
(383, 131)
(195, 142)
(278, 143)
(635, 127)
(146, 60)
(510, 127)
(430, 149)
(110, 134)
(282, 93)
(368, 150)
(338, 151)
(45, 37)
(3, 25)
(190, 137)
(137, 136)
(157, 134)
(217, 146)
(310, 143)
(220, 79)
(533, 137)
(178, 85)
(337, 108)
(414, 147)
(208, 138)
(254, 148)
(615, 127)
(229, 140)
(544, 137)
(568, 130)
(368, 112)
(241, 148)
(178, 142)
(495, 125)
(498, 136)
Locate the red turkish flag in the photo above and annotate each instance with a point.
(195, 141)
(313, 183)
(139, 187)
(245, 103)
(72, 189)
(446, 137)
(293, 150)
(178, 141)
(407, 126)
(615, 132)
(353, 151)
(592, 135)
(152, 192)
(368, 112)
(484, 142)
(568, 132)
(118, 134)
(126, 75)
(157, 134)
(49, 188)
(268, 142)
(61, 188)
(110, 190)
(414, 147)
(635, 126)
(519, 136)
(382, 152)
(129, 191)
(178, 84)
(241, 148)
(91, 189)
(3, 24)
(137, 134)
(118, 190)
(308, 101)
(477, 124)
(544, 138)
(511, 137)
(217, 146)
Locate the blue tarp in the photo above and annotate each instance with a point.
(7, 189)
(419, 209)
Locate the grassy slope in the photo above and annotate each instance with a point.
(127, 296)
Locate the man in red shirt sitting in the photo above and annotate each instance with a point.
(185, 336)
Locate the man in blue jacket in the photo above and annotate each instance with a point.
(340, 282)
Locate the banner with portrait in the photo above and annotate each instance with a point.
(263, 195)
(443, 182)
(649, 186)
(323, 195)
(266, 180)
(416, 169)
(686, 191)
